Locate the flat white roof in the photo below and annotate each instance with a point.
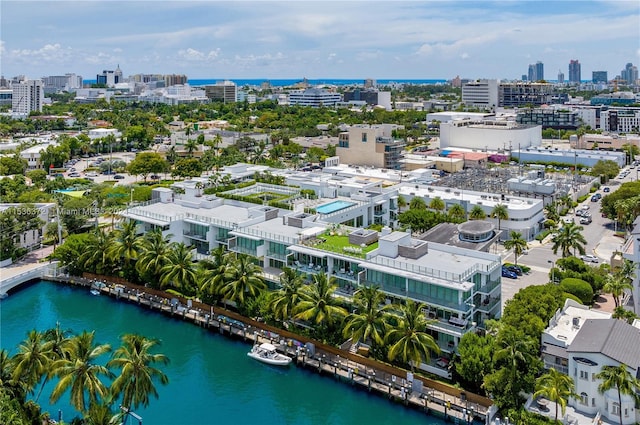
(564, 330)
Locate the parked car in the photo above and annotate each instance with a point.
(517, 270)
(588, 258)
(118, 177)
(594, 198)
(585, 220)
(107, 172)
(74, 174)
(508, 273)
(606, 190)
(92, 174)
(154, 177)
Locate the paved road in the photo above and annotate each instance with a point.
(83, 164)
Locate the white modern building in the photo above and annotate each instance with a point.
(526, 215)
(631, 252)
(314, 97)
(620, 120)
(27, 96)
(583, 157)
(489, 135)
(481, 93)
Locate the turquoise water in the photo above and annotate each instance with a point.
(211, 378)
(333, 207)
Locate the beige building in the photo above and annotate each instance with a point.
(602, 141)
(371, 145)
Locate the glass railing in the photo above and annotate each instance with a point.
(243, 250)
(489, 287)
(488, 304)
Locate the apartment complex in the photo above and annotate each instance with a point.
(371, 145)
(558, 119)
(574, 71)
(370, 96)
(27, 96)
(620, 120)
(536, 72)
(314, 97)
(524, 94)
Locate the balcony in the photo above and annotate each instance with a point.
(379, 212)
(488, 304)
(435, 302)
(488, 288)
(277, 255)
(195, 235)
(244, 250)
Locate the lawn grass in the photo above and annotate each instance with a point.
(338, 243)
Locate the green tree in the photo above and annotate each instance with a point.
(620, 379)
(80, 373)
(125, 246)
(402, 202)
(187, 167)
(11, 165)
(457, 212)
(318, 304)
(517, 243)
(579, 288)
(243, 280)
(607, 168)
(154, 254)
(287, 297)
(477, 213)
(500, 212)
(368, 321)
(557, 387)
(615, 285)
(569, 238)
(136, 361)
(211, 273)
(474, 359)
(179, 271)
(146, 163)
(38, 177)
(409, 340)
(96, 256)
(417, 203)
(437, 204)
(32, 361)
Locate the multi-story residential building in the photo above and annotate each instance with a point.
(370, 96)
(526, 215)
(560, 77)
(488, 135)
(599, 77)
(174, 79)
(222, 91)
(621, 98)
(558, 119)
(604, 342)
(57, 83)
(314, 97)
(620, 120)
(371, 145)
(27, 96)
(33, 237)
(459, 287)
(574, 71)
(536, 72)
(629, 74)
(482, 93)
(524, 94)
(6, 96)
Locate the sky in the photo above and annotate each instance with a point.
(388, 39)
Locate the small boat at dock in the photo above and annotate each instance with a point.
(94, 292)
(267, 353)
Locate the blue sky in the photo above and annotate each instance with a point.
(318, 39)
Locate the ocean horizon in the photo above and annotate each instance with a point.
(284, 82)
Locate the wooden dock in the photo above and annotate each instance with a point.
(369, 375)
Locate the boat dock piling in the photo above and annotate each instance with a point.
(351, 369)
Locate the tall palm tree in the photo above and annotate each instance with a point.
(501, 212)
(514, 352)
(179, 271)
(126, 243)
(56, 343)
(477, 213)
(551, 211)
(96, 255)
(409, 339)
(32, 361)
(557, 387)
(154, 253)
(287, 297)
(80, 373)
(437, 204)
(137, 373)
(191, 146)
(615, 285)
(417, 203)
(15, 389)
(211, 272)
(568, 238)
(242, 280)
(318, 304)
(368, 322)
(402, 202)
(457, 212)
(517, 243)
(620, 379)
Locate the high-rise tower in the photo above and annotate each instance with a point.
(574, 71)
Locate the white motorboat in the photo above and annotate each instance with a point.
(266, 353)
(94, 292)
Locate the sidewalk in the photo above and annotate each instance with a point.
(31, 261)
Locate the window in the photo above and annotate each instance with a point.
(584, 374)
(364, 137)
(584, 399)
(616, 409)
(593, 402)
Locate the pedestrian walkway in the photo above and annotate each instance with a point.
(29, 262)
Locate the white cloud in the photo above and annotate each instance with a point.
(464, 55)
(194, 55)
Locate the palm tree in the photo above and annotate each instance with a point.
(457, 212)
(318, 303)
(137, 373)
(126, 244)
(80, 373)
(514, 352)
(477, 213)
(501, 212)
(557, 387)
(211, 272)
(154, 253)
(368, 322)
(615, 285)
(15, 389)
(56, 344)
(417, 203)
(621, 379)
(409, 339)
(32, 361)
(569, 237)
(551, 210)
(96, 256)
(287, 297)
(190, 146)
(179, 271)
(242, 279)
(437, 204)
(517, 243)
(402, 202)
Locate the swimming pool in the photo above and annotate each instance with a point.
(333, 207)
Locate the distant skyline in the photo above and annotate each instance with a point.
(328, 39)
